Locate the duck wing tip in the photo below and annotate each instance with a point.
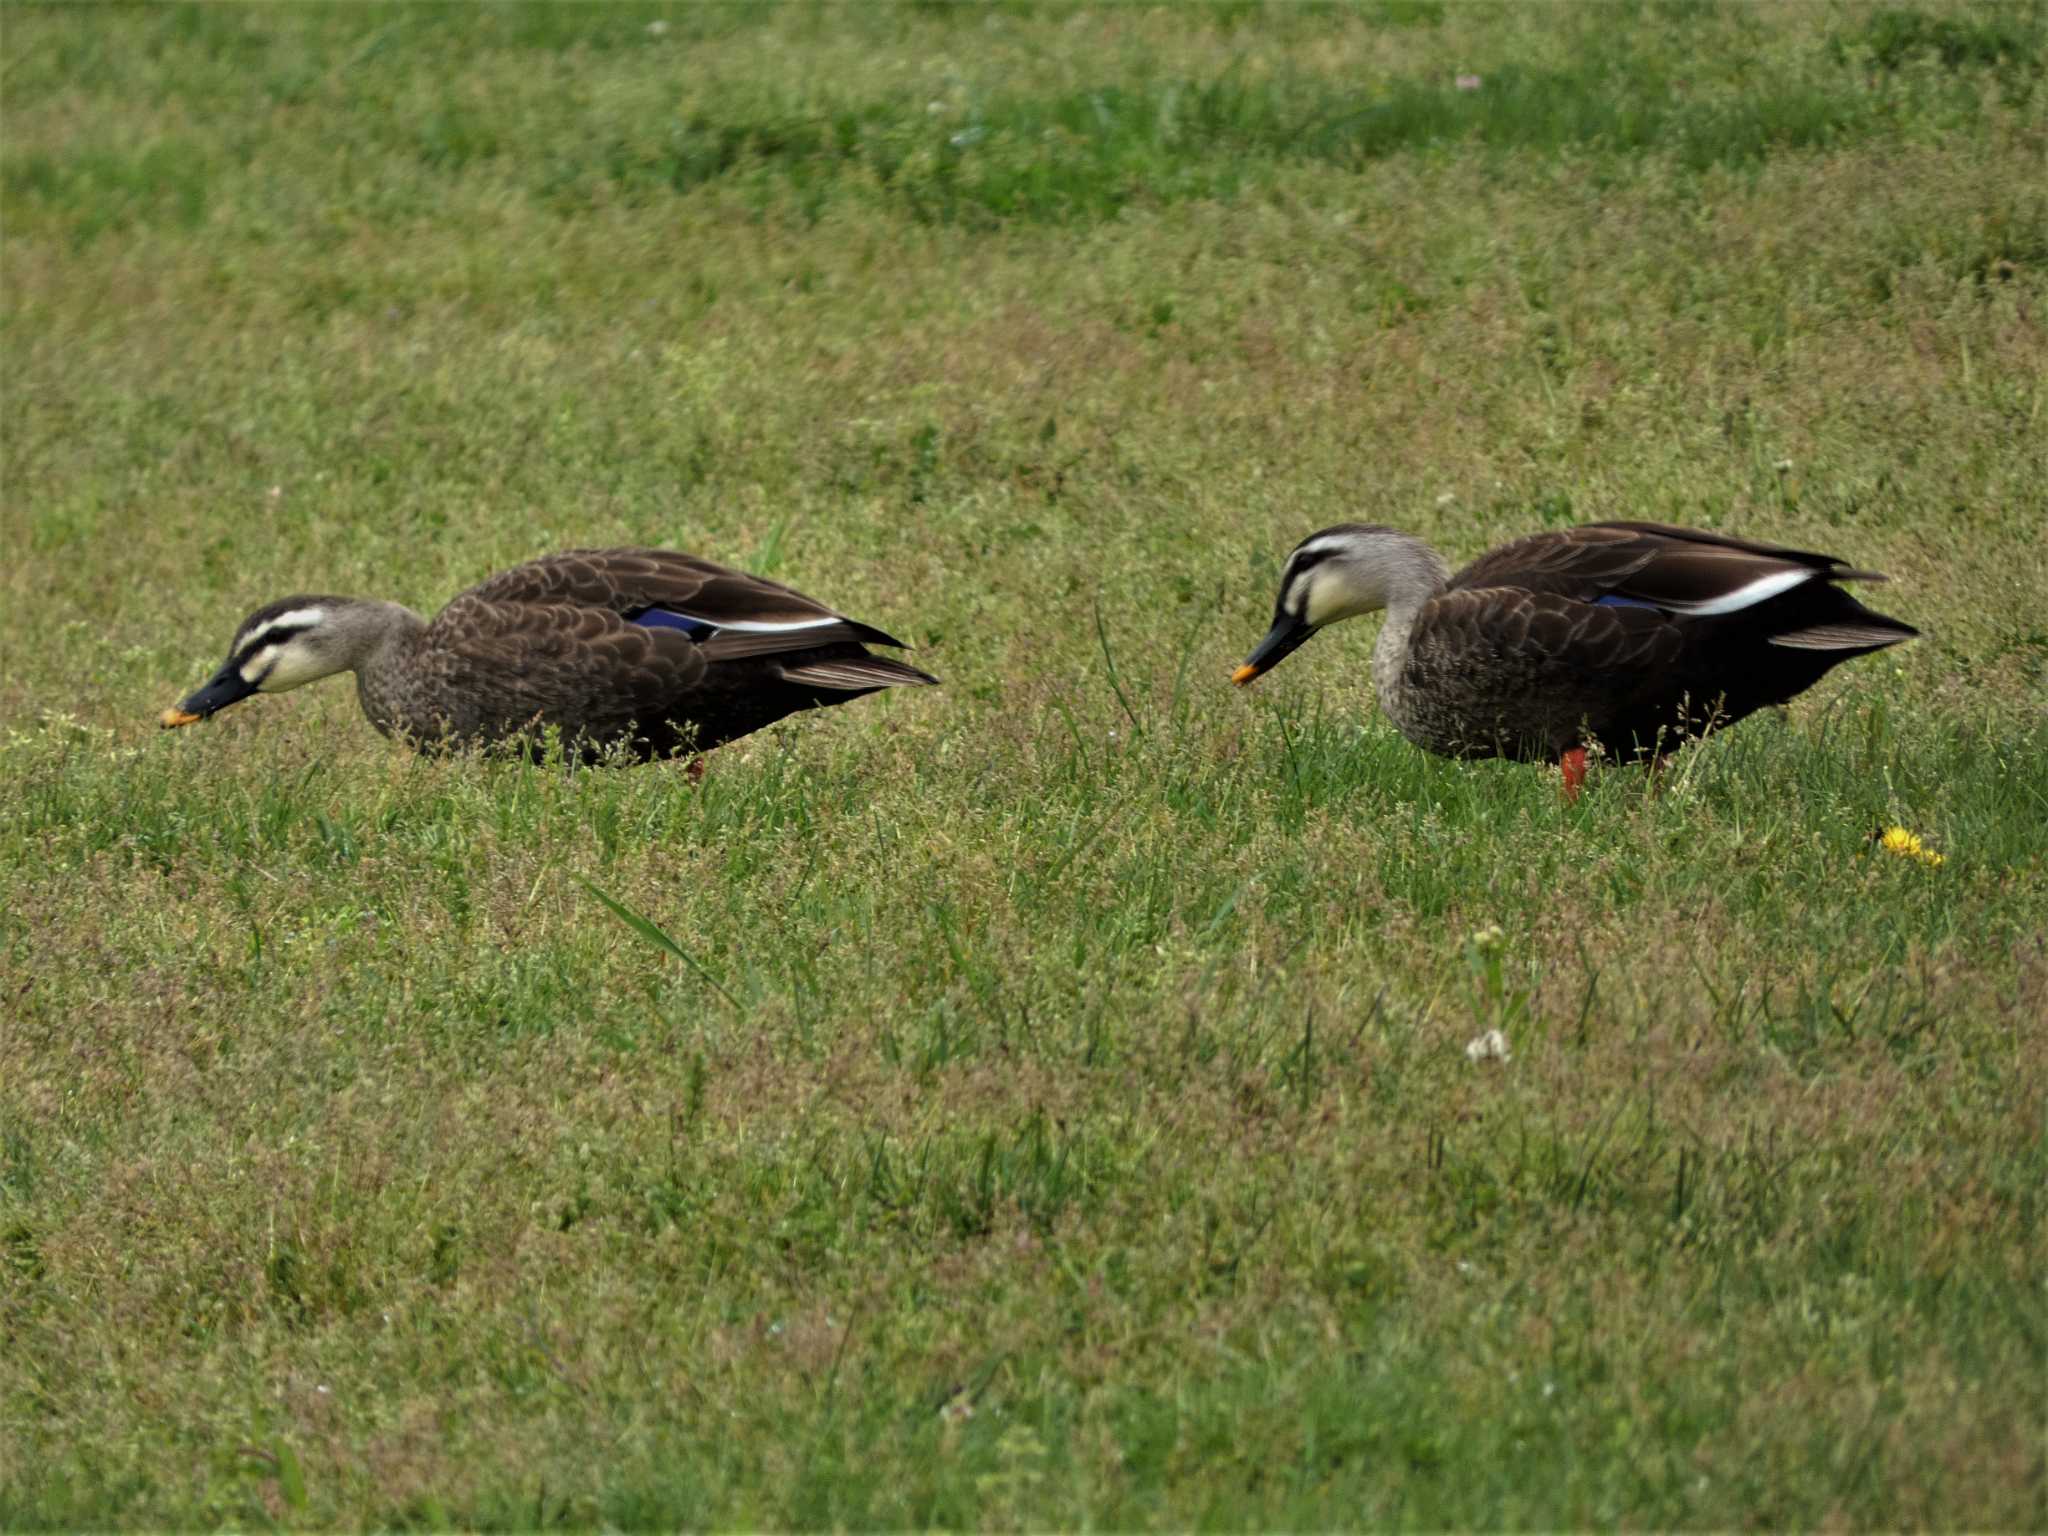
(857, 673)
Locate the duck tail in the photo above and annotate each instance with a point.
(1822, 617)
(1871, 633)
(856, 674)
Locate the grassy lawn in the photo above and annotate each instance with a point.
(1042, 1101)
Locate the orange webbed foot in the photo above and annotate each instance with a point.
(1573, 765)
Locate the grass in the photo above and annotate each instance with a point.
(976, 143)
(1043, 1101)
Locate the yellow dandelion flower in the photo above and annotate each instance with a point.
(1907, 845)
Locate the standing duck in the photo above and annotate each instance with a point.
(1633, 636)
(647, 650)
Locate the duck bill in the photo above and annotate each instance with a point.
(227, 686)
(1282, 640)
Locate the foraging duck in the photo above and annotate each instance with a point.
(1630, 635)
(656, 652)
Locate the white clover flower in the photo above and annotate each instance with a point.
(1491, 1046)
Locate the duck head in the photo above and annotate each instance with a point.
(281, 645)
(1337, 574)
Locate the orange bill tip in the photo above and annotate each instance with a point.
(170, 719)
(1244, 674)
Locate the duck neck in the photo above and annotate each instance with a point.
(1412, 579)
(384, 636)
(378, 633)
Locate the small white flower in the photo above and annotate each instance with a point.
(1491, 1046)
(657, 29)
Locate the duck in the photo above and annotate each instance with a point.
(648, 652)
(1626, 637)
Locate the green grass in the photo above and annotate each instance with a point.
(400, 87)
(1041, 1101)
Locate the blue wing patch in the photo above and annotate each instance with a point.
(1611, 601)
(668, 618)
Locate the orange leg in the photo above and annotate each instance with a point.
(1574, 765)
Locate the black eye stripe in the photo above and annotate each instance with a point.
(270, 637)
(1299, 564)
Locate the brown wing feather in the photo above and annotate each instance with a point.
(1589, 560)
(733, 644)
(623, 581)
(1647, 562)
(1701, 537)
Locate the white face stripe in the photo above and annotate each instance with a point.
(297, 618)
(758, 627)
(1748, 595)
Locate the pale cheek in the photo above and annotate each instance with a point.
(254, 668)
(292, 669)
(1331, 598)
(1323, 603)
